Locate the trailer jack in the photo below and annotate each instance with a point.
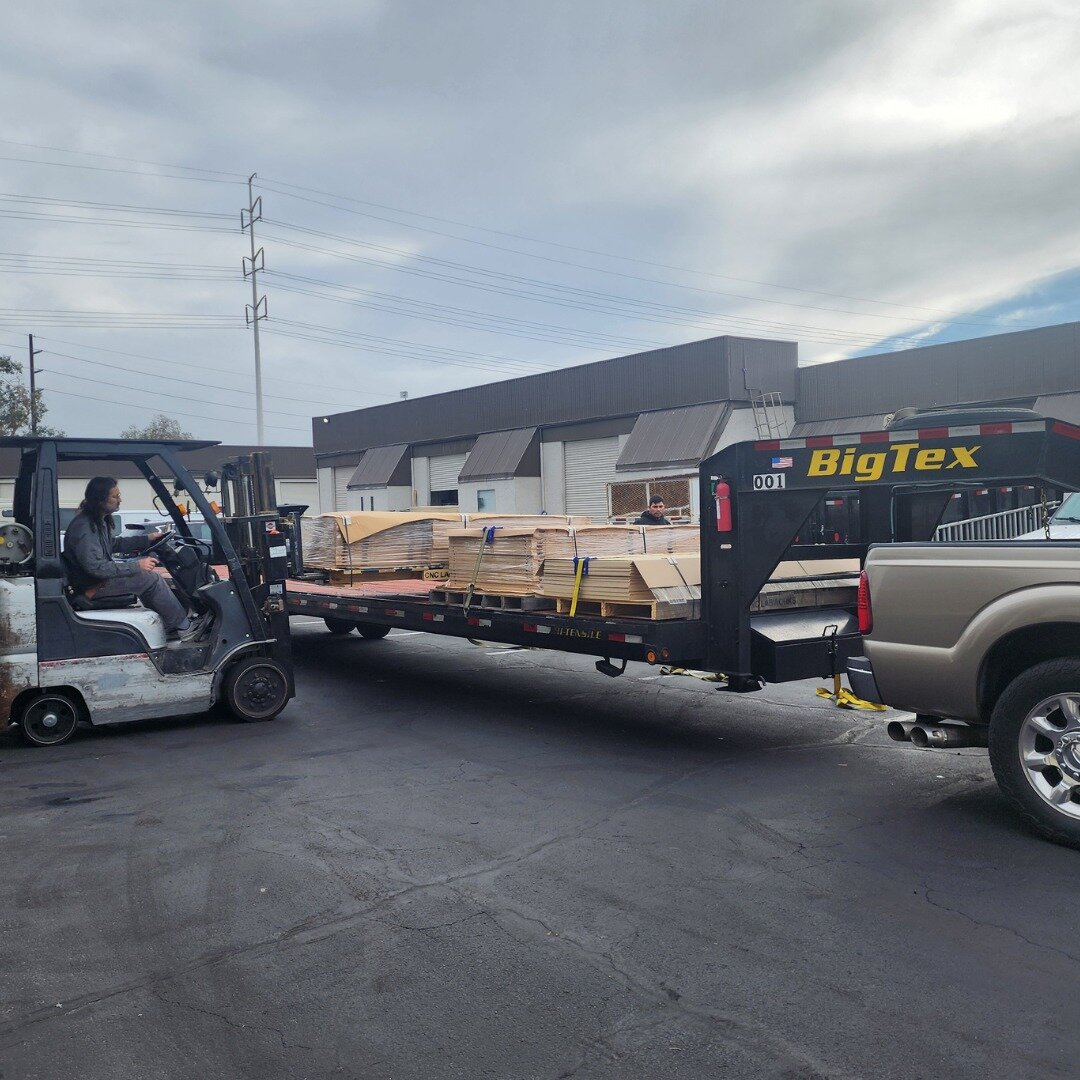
(606, 667)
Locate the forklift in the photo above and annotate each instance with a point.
(66, 658)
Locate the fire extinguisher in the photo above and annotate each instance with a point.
(723, 506)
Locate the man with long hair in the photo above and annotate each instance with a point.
(89, 550)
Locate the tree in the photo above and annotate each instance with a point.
(161, 427)
(15, 402)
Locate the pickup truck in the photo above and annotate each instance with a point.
(982, 642)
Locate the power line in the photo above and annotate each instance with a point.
(112, 207)
(267, 186)
(113, 157)
(190, 364)
(201, 383)
(157, 393)
(150, 408)
(129, 172)
(534, 283)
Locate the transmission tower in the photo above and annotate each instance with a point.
(256, 310)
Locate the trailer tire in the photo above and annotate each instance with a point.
(372, 631)
(47, 719)
(1035, 748)
(339, 627)
(255, 688)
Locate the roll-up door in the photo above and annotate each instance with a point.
(444, 471)
(342, 475)
(588, 468)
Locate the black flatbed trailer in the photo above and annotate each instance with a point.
(755, 498)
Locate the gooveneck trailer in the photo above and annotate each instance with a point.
(756, 498)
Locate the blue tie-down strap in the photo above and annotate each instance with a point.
(585, 568)
(489, 534)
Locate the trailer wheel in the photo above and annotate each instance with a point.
(372, 631)
(339, 626)
(255, 688)
(1035, 748)
(48, 720)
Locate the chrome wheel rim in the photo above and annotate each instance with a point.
(1049, 747)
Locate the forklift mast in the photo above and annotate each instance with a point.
(252, 522)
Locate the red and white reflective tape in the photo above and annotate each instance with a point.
(430, 616)
(629, 639)
(813, 442)
(474, 621)
(535, 628)
(394, 612)
(359, 609)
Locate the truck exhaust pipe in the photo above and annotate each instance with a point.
(941, 736)
(900, 730)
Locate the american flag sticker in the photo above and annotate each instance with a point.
(782, 463)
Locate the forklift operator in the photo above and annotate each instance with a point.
(89, 547)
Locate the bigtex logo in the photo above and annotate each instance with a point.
(900, 457)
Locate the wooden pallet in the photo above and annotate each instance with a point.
(455, 598)
(654, 610)
(401, 573)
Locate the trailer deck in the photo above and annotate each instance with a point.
(407, 605)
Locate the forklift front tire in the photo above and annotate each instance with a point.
(48, 720)
(339, 626)
(255, 688)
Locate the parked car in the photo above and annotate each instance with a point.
(1064, 523)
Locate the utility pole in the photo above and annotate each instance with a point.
(256, 310)
(33, 389)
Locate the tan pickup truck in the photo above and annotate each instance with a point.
(982, 642)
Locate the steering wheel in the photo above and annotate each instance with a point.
(158, 543)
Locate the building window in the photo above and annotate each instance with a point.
(444, 498)
(485, 501)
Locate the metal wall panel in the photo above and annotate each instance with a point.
(686, 374)
(589, 466)
(1002, 367)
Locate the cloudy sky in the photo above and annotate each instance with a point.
(457, 193)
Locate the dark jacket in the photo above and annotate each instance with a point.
(89, 547)
(647, 519)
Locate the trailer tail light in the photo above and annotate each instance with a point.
(723, 506)
(866, 612)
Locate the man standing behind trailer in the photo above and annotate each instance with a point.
(655, 514)
(88, 555)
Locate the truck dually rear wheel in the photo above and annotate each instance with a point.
(1035, 748)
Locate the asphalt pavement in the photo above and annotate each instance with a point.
(450, 861)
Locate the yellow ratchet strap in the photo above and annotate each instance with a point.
(487, 538)
(581, 569)
(843, 698)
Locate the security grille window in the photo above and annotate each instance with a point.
(628, 498)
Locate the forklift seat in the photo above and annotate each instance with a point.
(80, 602)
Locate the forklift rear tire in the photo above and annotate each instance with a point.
(372, 631)
(48, 720)
(255, 688)
(339, 626)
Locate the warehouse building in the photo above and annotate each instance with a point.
(592, 439)
(599, 438)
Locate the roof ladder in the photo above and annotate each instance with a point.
(768, 414)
